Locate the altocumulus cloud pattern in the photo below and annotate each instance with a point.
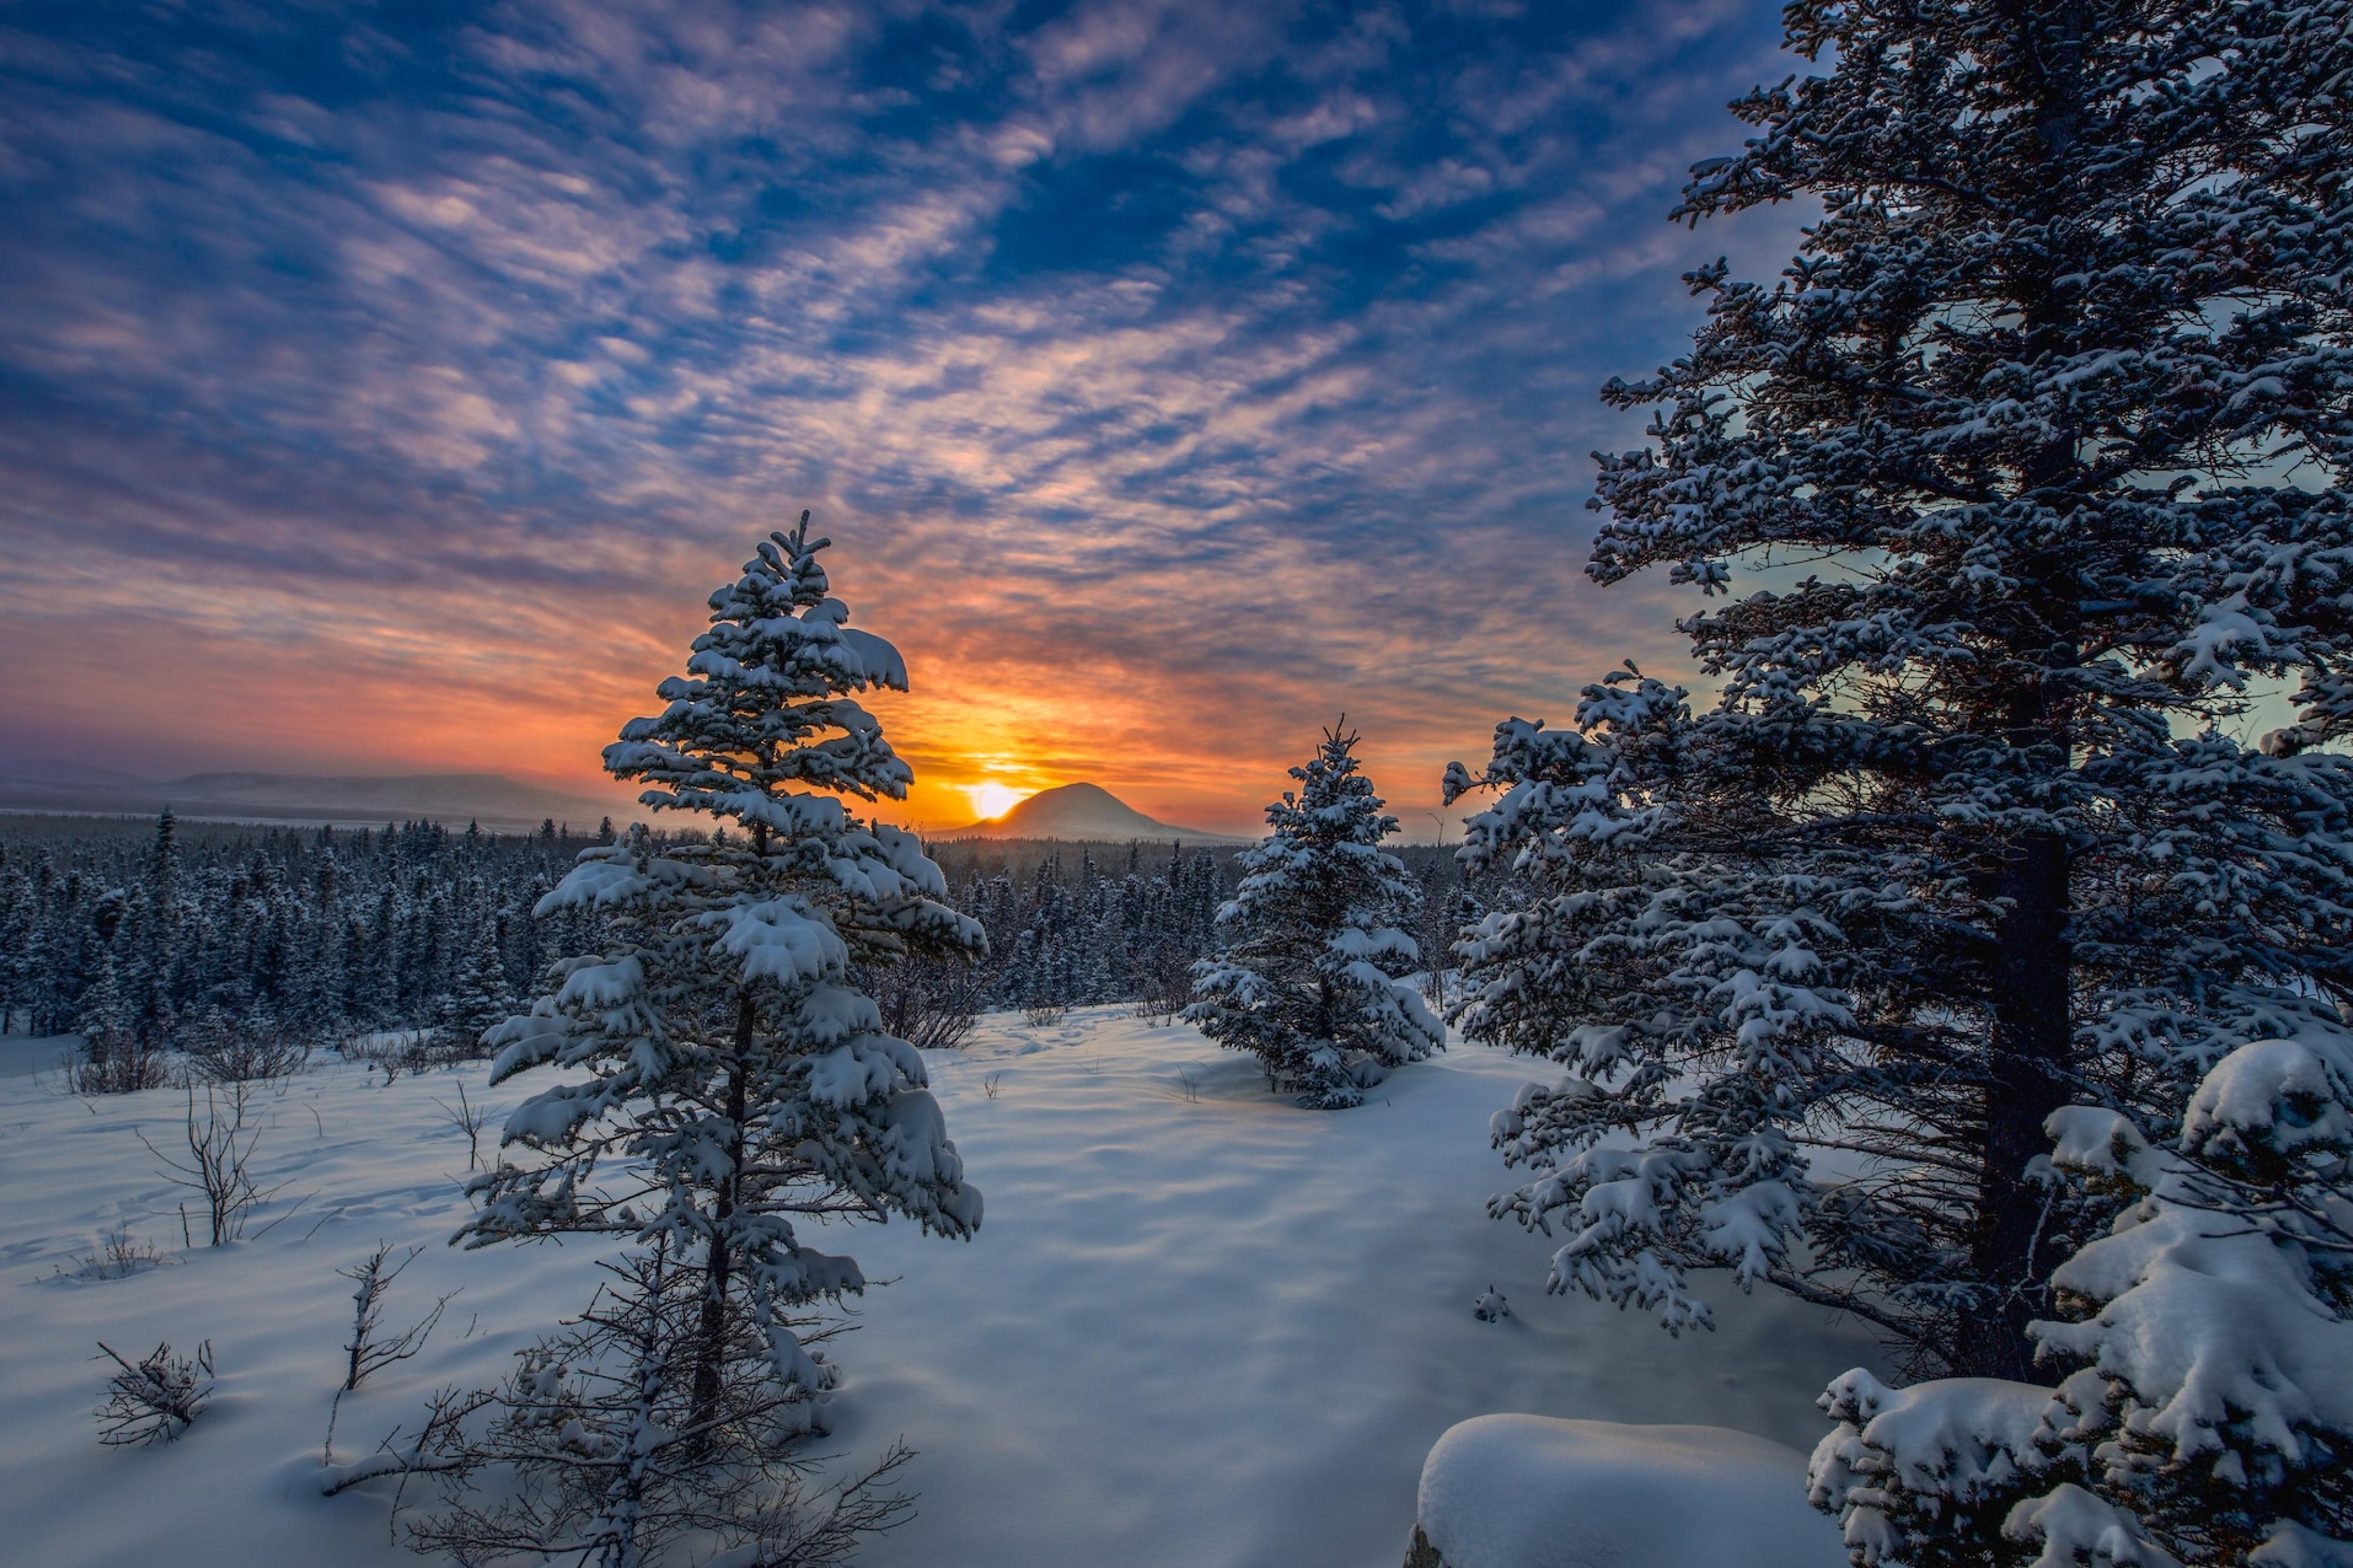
(1172, 373)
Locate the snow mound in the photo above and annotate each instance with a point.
(1530, 1491)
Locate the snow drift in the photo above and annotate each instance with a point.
(1529, 1492)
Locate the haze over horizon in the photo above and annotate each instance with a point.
(385, 394)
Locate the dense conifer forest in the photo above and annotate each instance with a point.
(321, 934)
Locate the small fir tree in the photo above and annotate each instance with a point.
(1314, 941)
(729, 1086)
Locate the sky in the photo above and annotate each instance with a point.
(383, 388)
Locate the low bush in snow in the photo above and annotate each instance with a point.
(156, 1400)
(2207, 1411)
(117, 1255)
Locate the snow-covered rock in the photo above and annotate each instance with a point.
(1531, 1491)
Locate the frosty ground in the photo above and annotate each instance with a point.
(1200, 1326)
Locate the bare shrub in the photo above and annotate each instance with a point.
(118, 1066)
(253, 1052)
(930, 1002)
(1042, 1014)
(1161, 979)
(409, 1052)
(449, 1044)
(116, 1257)
(1440, 924)
(156, 1400)
(468, 1118)
(218, 1166)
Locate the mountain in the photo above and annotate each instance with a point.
(492, 799)
(1082, 812)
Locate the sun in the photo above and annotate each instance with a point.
(993, 800)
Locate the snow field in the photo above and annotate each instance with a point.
(1198, 1326)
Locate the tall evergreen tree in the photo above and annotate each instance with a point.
(1313, 941)
(2045, 436)
(729, 1083)
(151, 955)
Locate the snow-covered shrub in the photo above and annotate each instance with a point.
(370, 1348)
(156, 1400)
(2207, 1411)
(117, 1255)
(723, 1081)
(1313, 942)
(2000, 503)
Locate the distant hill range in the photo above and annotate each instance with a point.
(491, 799)
(1083, 812)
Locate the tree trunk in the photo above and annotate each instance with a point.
(711, 1353)
(2026, 1080)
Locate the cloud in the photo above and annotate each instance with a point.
(1171, 375)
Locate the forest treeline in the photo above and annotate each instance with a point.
(169, 931)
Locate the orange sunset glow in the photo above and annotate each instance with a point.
(445, 486)
(1145, 696)
(993, 799)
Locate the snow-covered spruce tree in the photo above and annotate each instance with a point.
(2037, 455)
(1313, 941)
(2208, 1413)
(729, 1084)
(481, 998)
(113, 1060)
(105, 1020)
